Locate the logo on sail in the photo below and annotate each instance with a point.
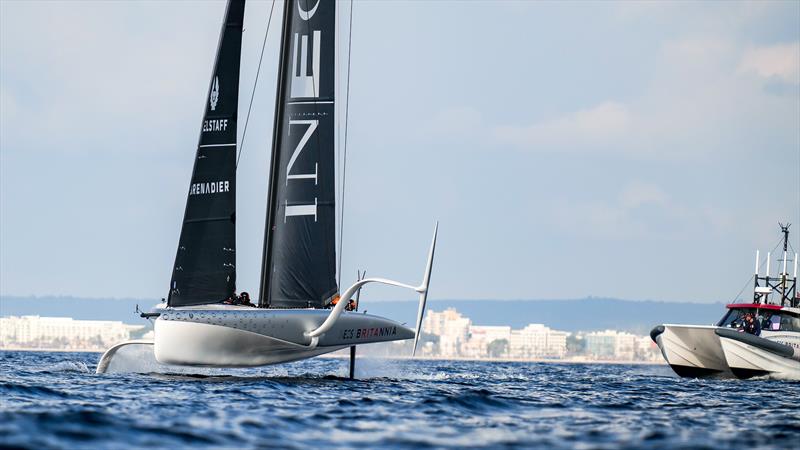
(214, 94)
(305, 15)
(210, 187)
(305, 79)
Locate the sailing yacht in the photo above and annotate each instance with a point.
(726, 350)
(300, 312)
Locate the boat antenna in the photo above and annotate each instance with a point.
(255, 83)
(785, 231)
(784, 273)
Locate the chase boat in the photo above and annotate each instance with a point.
(726, 350)
(775, 351)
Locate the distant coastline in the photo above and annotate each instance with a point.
(50, 350)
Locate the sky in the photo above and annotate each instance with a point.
(638, 150)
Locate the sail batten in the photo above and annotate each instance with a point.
(299, 264)
(204, 270)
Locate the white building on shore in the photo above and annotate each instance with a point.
(538, 341)
(647, 350)
(455, 336)
(611, 345)
(487, 342)
(452, 329)
(458, 337)
(62, 333)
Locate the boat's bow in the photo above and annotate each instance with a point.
(691, 350)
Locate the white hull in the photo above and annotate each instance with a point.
(231, 336)
(225, 336)
(748, 361)
(205, 345)
(693, 351)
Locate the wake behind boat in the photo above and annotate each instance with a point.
(761, 338)
(300, 312)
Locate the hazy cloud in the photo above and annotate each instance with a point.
(640, 210)
(602, 124)
(700, 100)
(90, 66)
(459, 121)
(781, 61)
(640, 193)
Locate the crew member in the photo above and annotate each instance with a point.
(244, 300)
(351, 305)
(232, 300)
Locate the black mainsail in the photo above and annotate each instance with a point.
(205, 264)
(299, 264)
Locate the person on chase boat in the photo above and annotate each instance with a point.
(751, 325)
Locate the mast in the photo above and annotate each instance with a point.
(266, 255)
(205, 262)
(299, 257)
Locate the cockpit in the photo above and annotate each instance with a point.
(769, 319)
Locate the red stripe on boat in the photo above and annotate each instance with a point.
(752, 306)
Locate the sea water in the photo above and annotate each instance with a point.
(55, 400)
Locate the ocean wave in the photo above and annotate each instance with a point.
(36, 391)
(67, 366)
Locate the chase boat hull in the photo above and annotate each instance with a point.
(692, 351)
(751, 356)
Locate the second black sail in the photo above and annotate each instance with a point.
(299, 268)
(204, 270)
